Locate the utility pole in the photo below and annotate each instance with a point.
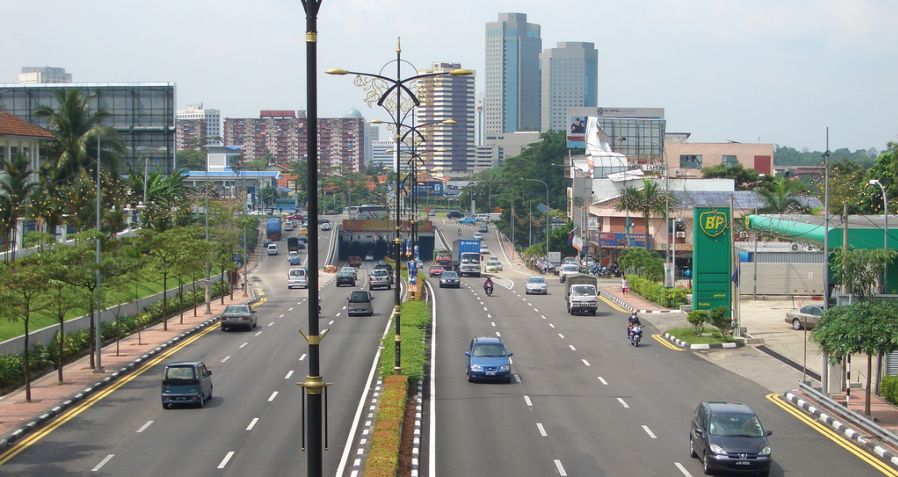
(98, 339)
(824, 369)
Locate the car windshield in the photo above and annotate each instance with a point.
(489, 351)
(358, 297)
(536, 280)
(735, 424)
(569, 267)
(180, 374)
(449, 275)
(297, 272)
(582, 290)
(231, 309)
(468, 260)
(494, 261)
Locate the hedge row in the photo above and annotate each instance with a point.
(414, 320)
(75, 344)
(383, 460)
(888, 388)
(654, 291)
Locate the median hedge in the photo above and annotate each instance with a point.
(414, 320)
(383, 460)
(75, 344)
(658, 293)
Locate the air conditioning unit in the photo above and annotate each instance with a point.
(681, 235)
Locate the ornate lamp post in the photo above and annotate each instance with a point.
(383, 87)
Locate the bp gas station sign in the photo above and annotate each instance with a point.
(712, 259)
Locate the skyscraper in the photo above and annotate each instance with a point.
(449, 148)
(512, 97)
(569, 80)
(44, 74)
(198, 127)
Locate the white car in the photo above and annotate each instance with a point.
(536, 285)
(272, 249)
(568, 269)
(297, 277)
(369, 257)
(484, 249)
(478, 236)
(493, 265)
(326, 226)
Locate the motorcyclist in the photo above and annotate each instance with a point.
(488, 285)
(632, 320)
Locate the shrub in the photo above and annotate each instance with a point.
(383, 460)
(888, 388)
(719, 318)
(697, 318)
(654, 291)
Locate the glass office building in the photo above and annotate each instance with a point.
(637, 133)
(142, 113)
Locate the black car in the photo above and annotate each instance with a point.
(345, 278)
(454, 214)
(449, 279)
(728, 436)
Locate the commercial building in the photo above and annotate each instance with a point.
(637, 133)
(687, 159)
(512, 83)
(448, 149)
(511, 144)
(44, 74)
(198, 127)
(382, 155)
(569, 80)
(143, 114)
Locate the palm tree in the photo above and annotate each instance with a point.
(166, 197)
(15, 188)
(782, 197)
(648, 200)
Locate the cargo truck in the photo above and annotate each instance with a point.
(293, 244)
(273, 229)
(466, 257)
(581, 294)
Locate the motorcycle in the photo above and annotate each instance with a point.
(635, 335)
(488, 289)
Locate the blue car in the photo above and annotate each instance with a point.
(293, 258)
(467, 220)
(488, 360)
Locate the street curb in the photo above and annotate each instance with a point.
(624, 304)
(884, 455)
(92, 389)
(700, 347)
(416, 444)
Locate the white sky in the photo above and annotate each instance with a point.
(744, 70)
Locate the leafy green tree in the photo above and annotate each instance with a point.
(745, 179)
(649, 200)
(190, 160)
(268, 195)
(859, 269)
(162, 249)
(847, 185)
(885, 170)
(642, 262)
(15, 188)
(167, 199)
(82, 260)
(23, 287)
(61, 295)
(782, 197)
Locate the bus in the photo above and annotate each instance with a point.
(367, 212)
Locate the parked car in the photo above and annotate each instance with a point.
(493, 265)
(807, 315)
(379, 278)
(488, 359)
(454, 214)
(345, 278)
(297, 277)
(360, 303)
(449, 279)
(272, 249)
(728, 436)
(186, 382)
(536, 285)
(436, 270)
(293, 258)
(568, 269)
(238, 316)
(466, 220)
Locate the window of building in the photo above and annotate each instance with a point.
(691, 161)
(728, 161)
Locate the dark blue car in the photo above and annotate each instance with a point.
(488, 359)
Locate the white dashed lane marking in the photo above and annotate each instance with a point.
(585, 362)
(649, 432)
(527, 400)
(252, 424)
(145, 426)
(270, 323)
(572, 347)
(289, 373)
(551, 326)
(102, 463)
(560, 468)
(259, 333)
(227, 458)
(623, 403)
(275, 394)
(290, 309)
(682, 469)
(493, 323)
(281, 315)
(226, 358)
(542, 430)
(560, 335)
(498, 334)
(243, 345)
(602, 380)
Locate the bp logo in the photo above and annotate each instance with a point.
(713, 223)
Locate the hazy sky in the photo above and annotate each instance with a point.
(743, 70)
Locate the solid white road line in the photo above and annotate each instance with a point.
(682, 469)
(572, 347)
(252, 424)
(542, 430)
(275, 394)
(258, 333)
(622, 403)
(560, 468)
(585, 362)
(526, 400)
(102, 462)
(289, 373)
(302, 357)
(145, 426)
(243, 345)
(602, 380)
(224, 462)
(226, 358)
(649, 432)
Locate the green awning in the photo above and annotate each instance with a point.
(787, 229)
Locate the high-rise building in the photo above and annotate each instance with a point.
(512, 96)
(382, 155)
(198, 127)
(569, 79)
(279, 136)
(143, 115)
(44, 74)
(449, 148)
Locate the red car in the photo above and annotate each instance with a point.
(436, 270)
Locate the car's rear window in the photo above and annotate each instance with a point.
(358, 297)
(297, 272)
(236, 309)
(179, 373)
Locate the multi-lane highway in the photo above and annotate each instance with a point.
(583, 402)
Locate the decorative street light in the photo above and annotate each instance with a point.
(548, 219)
(397, 85)
(885, 231)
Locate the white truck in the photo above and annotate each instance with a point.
(581, 294)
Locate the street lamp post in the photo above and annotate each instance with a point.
(98, 339)
(397, 85)
(547, 212)
(885, 231)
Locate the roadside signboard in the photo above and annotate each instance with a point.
(711, 259)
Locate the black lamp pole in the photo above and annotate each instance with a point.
(314, 383)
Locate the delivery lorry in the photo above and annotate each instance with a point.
(273, 229)
(581, 294)
(466, 257)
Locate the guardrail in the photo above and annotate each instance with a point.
(847, 414)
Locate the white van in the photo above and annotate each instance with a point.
(297, 277)
(272, 249)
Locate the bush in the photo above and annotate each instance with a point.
(383, 460)
(888, 389)
(654, 291)
(720, 318)
(697, 318)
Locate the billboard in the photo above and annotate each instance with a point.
(712, 257)
(620, 240)
(576, 132)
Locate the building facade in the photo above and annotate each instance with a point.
(687, 159)
(512, 87)
(44, 74)
(569, 80)
(382, 155)
(638, 133)
(448, 149)
(511, 144)
(143, 114)
(198, 127)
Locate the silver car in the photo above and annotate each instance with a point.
(238, 316)
(360, 303)
(807, 315)
(536, 285)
